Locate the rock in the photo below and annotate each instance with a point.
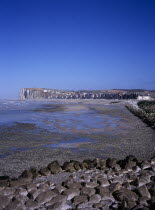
(15, 205)
(44, 187)
(35, 173)
(140, 207)
(45, 196)
(126, 195)
(95, 199)
(114, 187)
(103, 182)
(58, 206)
(77, 166)
(80, 199)
(102, 164)
(57, 199)
(67, 182)
(117, 179)
(88, 191)
(90, 184)
(104, 205)
(33, 194)
(111, 162)
(44, 171)
(85, 178)
(143, 191)
(153, 167)
(19, 182)
(143, 201)
(129, 165)
(97, 205)
(50, 184)
(131, 177)
(151, 186)
(126, 185)
(4, 200)
(4, 183)
(141, 181)
(55, 167)
(71, 193)
(7, 191)
(145, 164)
(96, 163)
(30, 187)
(21, 191)
(146, 174)
(117, 168)
(68, 167)
(26, 175)
(87, 164)
(131, 158)
(136, 169)
(30, 204)
(21, 198)
(104, 193)
(153, 161)
(74, 185)
(60, 188)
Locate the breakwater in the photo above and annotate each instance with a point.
(145, 110)
(90, 184)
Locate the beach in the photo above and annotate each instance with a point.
(35, 133)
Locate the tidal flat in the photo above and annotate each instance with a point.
(34, 133)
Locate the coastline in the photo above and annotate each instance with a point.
(129, 140)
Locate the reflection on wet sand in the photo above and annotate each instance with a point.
(76, 120)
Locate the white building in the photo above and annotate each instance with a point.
(147, 98)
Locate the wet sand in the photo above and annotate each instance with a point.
(82, 129)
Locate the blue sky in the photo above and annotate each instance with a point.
(76, 44)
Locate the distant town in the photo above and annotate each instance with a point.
(43, 93)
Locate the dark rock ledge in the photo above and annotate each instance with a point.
(98, 184)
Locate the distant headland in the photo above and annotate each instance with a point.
(43, 93)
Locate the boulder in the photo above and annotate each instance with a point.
(45, 196)
(27, 174)
(87, 164)
(54, 167)
(88, 191)
(111, 162)
(71, 193)
(80, 199)
(114, 187)
(125, 195)
(30, 204)
(145, 164)
(143, 191)
(4, 200)
(95, 199)
(44, 171)
(68, 167)
(103, 182)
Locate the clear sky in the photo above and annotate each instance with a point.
(76, 44)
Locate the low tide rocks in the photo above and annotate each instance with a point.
(91, 184)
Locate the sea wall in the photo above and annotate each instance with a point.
(42, 93)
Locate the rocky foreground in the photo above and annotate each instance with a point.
(98, 184)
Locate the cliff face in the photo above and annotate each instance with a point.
(41, 93)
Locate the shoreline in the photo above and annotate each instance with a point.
(115, 143)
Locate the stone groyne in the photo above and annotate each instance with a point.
(90, 185)
(145, 110)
